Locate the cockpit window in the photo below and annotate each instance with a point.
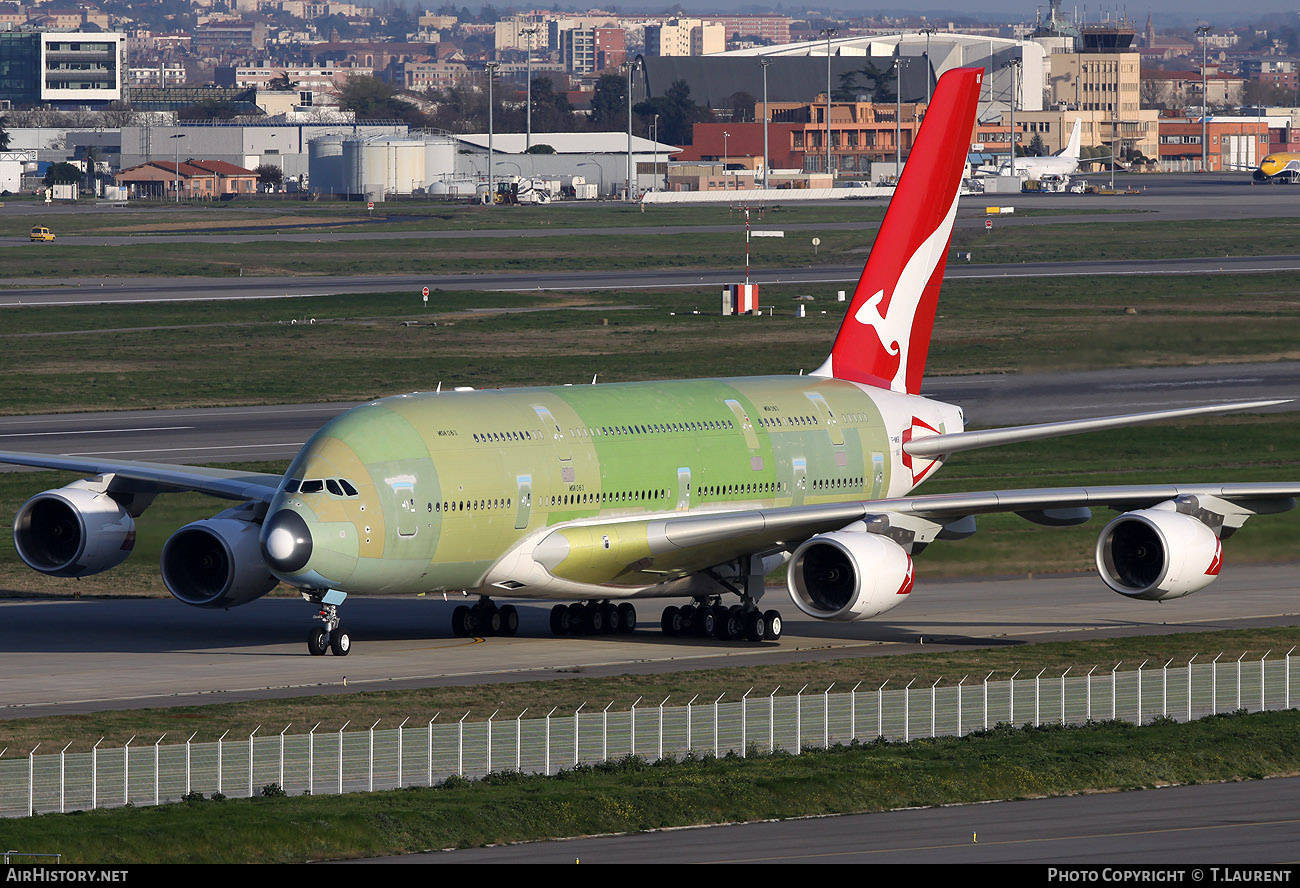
(348, 489)
(313, 486)
(292, 485)
(333, 487)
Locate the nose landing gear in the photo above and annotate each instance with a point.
(331, 636)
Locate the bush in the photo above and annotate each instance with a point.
(273, 791)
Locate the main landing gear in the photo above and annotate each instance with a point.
(709, 618)
(484, 618)
(593, 618)
(331, 636)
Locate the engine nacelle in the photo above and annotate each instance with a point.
(1158, 553)
(216, 562)
(849, 575)
(73, 531)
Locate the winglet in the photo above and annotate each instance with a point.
(885, 337)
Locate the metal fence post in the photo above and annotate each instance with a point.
(488, 769)
(933, 701)
(880, 709)
(188, 781)
(519, 741)
(220, 761)
(429, 729)
(959, 684)
(126, 768)
(340, 782)
(853, 712)
(604, 731)
(907, 712)
(547, 765)
(1261, 678)
(716, 752)
(1287, 678)
(826, 716)
(63, 777)
(1037, 694)
(280, 782)
(1214, 684)
(311, 759)
(1239, 659)
(460, 744)
(1139, 701)
(250, 760)
(94, 774)
(690, 746)
(744, 746)
(1011, 697)
(1189, 686)
(401, 748)
(771, 720)
(661, 727)
(1063, 675)
(1089, 677)
(576, 713)
(156, 794)
(798, 721)
(632, 726)
(1112, 691)
(986, 700)
(31, 781)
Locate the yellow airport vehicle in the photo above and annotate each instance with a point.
(41, 233)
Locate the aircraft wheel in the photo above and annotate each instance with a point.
(463, 623)
(612, 618)
(755, 626)
(734, 623)
(671, 620)
(318, 641)
(490, 619)
(509, 620)
(577, 618)
(773, 620)
(594, 619)
(704, 622)
(626, 618)
(560, 620)
(340, 642)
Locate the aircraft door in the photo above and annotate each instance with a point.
(408, 521)
(683, 489)
(800, 481)
(555, 433)
(877, 475)
(523, 500)
(827, 418)
(744, 423)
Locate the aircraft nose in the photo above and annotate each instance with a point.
(286, 542)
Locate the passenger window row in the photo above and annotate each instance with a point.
(740, 489)
(837, 483)
(777, 422)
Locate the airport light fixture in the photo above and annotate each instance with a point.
(631, 66)
(764, 63)
(176, 168)
(491, 68)
(654, 181)
(898, 118)
(1014, 65)
(1202, 31)
(528, 113)
(927, 32)
(725, 136)
(828, 33)
(589, 163)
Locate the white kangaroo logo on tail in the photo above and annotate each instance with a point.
(894, 328)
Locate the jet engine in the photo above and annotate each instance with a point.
(1158, 553)
(73, 531)
(849, 575)
(216, 562)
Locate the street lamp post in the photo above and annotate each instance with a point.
(528, 114)
(587, 163)
(828, 33)
(725, 135)
(1202, 32)
(898, 117)
(491, 68)
(1014, 65)
(176, 170)
(631, 66)
(764, 63)
(654, 182)
(927, 32)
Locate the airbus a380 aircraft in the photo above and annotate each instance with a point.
(683, 489)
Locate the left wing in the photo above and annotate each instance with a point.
(146, 477)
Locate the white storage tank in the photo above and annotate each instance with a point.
(391, 164)
(325, 164)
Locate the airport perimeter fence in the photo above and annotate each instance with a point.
(429, 753)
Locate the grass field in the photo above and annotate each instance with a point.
(226, 353)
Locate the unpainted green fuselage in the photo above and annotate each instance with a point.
(446, 484)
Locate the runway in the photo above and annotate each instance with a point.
(277, 432)
(71, 656)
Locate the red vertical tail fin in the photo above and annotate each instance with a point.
(885, 337)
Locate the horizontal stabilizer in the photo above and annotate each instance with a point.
(937, 445)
